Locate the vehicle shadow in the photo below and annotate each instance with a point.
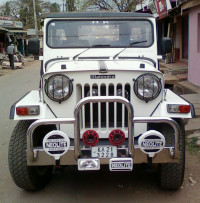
(71, 185)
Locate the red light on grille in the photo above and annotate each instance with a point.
(184, 108)
(21, 111)
(116, 137)
(90, 138)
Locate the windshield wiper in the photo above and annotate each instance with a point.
(74, 57)
(130, 45)
(96, 45)
(137, 42)
(101, 45)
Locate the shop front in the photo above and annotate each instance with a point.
(193, 8)
(12, 31)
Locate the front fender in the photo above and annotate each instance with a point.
(172, 98)
(31, 99)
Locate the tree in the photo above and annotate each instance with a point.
(70, 5)
(11, 9)
(22, 10)
(48, 7)
(26, 13)
(7, 10)
(54, 7)
(119, 5)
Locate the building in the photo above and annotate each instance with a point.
(179, 20)
(11, 30)
(193, 9)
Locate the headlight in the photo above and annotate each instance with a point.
(58, 87)
(147, 87)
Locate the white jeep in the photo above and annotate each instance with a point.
(101, 101)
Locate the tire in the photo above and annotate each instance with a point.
(172, 174)
(25, 177)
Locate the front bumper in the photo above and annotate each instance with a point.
(37, 156)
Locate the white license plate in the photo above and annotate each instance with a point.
(104, 151)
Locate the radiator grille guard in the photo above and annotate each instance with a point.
(105, 115)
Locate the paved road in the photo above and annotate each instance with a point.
(72, 186)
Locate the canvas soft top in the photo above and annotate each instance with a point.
(98, 15)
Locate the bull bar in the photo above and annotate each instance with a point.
(76, 122)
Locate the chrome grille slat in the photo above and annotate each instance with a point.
(83, 108)
(123, 94)
(107, 115)
(99, 107)
(115, 109)
(91, 111)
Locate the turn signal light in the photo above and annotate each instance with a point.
(90, 138)
(184, 109)
(27, 110)
(116, 137)
(177, 108)
(21, 111)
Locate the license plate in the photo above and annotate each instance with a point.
(121, 164)
(104, 151)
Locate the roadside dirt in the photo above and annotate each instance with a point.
(191, 185)
(4, 71)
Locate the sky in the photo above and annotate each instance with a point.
(52, 1)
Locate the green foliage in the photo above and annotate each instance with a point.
(11, 9)
(54, 7)
(26, 13)
(70, 5)
(79, 5)
(7, 10)
(22, 10)
(191, 145)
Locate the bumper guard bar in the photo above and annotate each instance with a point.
(76, 122)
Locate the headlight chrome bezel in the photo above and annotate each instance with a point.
(155, 95)
(64, 77)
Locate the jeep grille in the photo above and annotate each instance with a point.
(105, 115)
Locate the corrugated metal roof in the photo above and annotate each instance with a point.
(190, 4)
(17, 31)
(4, 29)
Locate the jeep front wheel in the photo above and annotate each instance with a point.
(26, 177)
(172, 174)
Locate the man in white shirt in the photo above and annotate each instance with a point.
(10, 52)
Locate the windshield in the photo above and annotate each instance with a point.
(63, 33)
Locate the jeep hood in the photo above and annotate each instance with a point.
(90, 64)
(95, 54)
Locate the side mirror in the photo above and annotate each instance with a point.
(166, 45)
(34, 46)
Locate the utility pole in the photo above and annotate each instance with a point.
(63, 5)
(35, 19)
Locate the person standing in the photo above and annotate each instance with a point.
(10, 52)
